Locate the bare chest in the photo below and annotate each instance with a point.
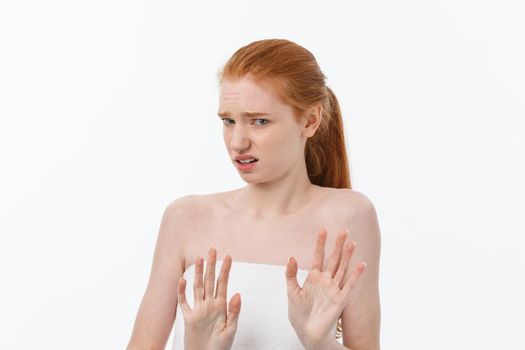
(269, 241)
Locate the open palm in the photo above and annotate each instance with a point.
(212, 323)
(314, 308)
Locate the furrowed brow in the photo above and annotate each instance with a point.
(244, 114)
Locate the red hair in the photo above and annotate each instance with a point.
(293, 73)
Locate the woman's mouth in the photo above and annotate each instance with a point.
(246, 164)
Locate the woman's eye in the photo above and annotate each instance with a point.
(259, 121)
(265, 121)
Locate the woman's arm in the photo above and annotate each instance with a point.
(156, 314)
(361, 315)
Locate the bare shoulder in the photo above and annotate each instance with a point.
(200, 201)
(351, 197)
(357, 213)
(190, 207)
(188, 213)
(177, 221)
(183, 208)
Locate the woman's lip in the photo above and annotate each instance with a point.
(245, 166)
(245, 157)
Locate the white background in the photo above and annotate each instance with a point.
(108, 113)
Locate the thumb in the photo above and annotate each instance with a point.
(234, 309)
(291, 275)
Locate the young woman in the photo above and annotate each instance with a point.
(284, 134)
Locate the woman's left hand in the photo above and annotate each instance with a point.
(314, 308)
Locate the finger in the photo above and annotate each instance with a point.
(209, 277)
(181, 295)
(319, 250)
(291, 275)
(336, 254)
(234, 309)
(343, 267)
(349, 285)
(222, 281)
(198, 288)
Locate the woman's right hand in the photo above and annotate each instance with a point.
(208, 326)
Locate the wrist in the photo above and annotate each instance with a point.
(194, 343)
(329, 343)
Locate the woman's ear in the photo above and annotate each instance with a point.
(311, 120)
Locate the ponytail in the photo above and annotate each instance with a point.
(325, 152)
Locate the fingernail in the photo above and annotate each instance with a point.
(347, 231)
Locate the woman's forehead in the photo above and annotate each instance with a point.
(247, 96)
(246, 87)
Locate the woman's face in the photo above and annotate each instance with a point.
(272, 136)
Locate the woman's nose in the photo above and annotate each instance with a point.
(239, 140)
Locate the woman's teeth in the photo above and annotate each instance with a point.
(247, 161)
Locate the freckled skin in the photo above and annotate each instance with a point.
(277, 143)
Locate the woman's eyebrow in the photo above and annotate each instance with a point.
(244, 114)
